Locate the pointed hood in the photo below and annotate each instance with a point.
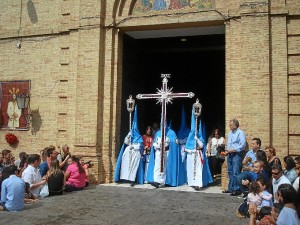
(190, 143)
(202, 132)
(169, 126)
(135, 134)
(183, 130)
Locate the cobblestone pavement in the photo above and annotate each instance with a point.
(120, 204)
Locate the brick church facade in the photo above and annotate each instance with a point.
(71, 51)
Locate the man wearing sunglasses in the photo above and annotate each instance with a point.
(278, 178)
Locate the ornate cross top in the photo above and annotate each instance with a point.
(164, 96)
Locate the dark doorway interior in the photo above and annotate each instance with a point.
(196, 65)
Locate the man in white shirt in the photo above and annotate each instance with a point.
(278, 178)
(32, 175)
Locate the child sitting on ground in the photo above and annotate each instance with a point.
(254, 196)
(266, 196)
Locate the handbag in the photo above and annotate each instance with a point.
(220, 153)
(44, 191)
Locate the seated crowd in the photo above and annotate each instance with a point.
(27, 179)
(270, 188)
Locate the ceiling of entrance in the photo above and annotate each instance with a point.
(180, 32)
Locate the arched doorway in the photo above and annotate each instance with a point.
(194, 57)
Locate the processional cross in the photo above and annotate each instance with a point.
(164, 96)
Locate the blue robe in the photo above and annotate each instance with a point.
(175, 171)
(135, 137)
(140, 172)
(206, 174)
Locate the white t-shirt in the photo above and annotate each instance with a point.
(276, 183)
(214, 144)
(32, 176)
(296, 184)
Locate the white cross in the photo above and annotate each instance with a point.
(164, 96)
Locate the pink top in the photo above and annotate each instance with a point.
(75, 179)
(254, 198)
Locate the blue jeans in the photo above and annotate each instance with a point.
(234, 162)
(245, 175)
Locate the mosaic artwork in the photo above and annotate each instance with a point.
(143, 6)
(11, 116)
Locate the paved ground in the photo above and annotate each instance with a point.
(119, 204)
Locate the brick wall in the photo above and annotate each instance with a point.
(74, 63)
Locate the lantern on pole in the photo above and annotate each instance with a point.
(130, 102)
(23, 101)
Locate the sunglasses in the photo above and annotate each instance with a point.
(275, 173)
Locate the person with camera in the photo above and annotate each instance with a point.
(86, 166)
(214, 149)
(63, 159)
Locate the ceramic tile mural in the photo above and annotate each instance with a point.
(143, 6)
(11, 116)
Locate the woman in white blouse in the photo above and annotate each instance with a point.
(215, 163)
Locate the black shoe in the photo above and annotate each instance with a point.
(161, 185)
(197, 188)
(226, 191)
(155, 184)
(236, 193)
(245, 194)
(132, 184)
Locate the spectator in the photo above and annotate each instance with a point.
(22, 165)
(86, 166)
(32, 175)
(74, 177)
(265, 218)
(250, 156)
(272, 158)
(254, 196)
(291, 212)
(147, 144)
(289, 172)
(51, 155)
(235, 148)
(12, 192)
(6, 161)
(297, 163)
(245, 177)
(63, 159)
(278, 179)
(266, 196)
(216, 142)
(21, 156)
(55, 178)
(296, 184)
(5, 175)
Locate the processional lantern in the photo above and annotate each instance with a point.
(197, 108)
(130, 102)
(23, 101)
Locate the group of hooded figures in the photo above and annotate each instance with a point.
(185, 161)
